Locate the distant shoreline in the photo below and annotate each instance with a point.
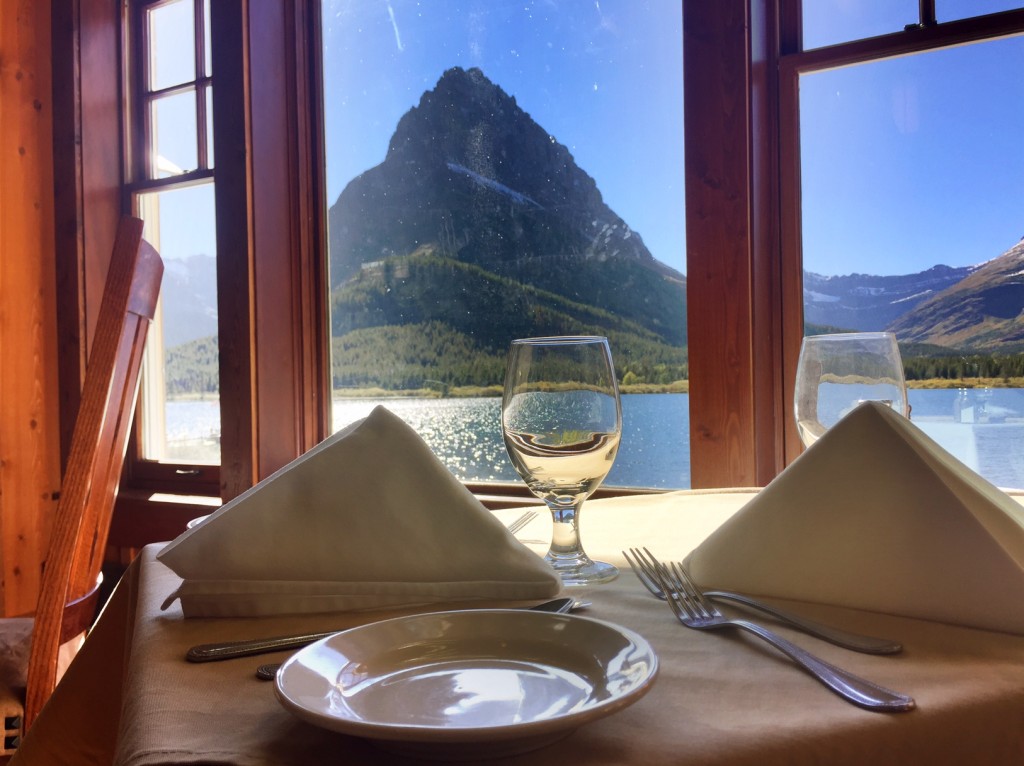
(678, 387)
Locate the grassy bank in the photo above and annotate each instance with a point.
(678, 387)
(967, 383)
(463, 392)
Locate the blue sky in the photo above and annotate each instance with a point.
(907, 163)
(914, 161)
(602, 76)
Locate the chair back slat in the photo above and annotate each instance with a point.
(98, 444)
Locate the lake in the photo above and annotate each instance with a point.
(984, 428)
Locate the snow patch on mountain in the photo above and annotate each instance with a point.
(916, 297)
(810, 295)
(493, 185)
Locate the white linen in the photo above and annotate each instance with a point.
(369, 518)
(877, 516)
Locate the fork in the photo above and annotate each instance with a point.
(521, 522)
(845, 639)
(693, 610)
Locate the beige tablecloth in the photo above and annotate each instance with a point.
(131, 699)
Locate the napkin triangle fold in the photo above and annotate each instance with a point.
(369, 518)
(877, 516)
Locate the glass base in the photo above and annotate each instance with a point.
(581, 571)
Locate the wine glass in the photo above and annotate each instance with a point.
(562, 420)
(837, 372)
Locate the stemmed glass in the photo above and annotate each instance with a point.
(835, 373)
(562, 420)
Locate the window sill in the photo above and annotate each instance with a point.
(142, 517)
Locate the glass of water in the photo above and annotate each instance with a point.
(837, 372)
(562, 421)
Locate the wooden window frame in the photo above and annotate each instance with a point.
(744, 276)
(143, 475)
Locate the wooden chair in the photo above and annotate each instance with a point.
(68, 595)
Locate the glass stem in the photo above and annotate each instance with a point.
(565, 532)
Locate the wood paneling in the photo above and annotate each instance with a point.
(29, 428)
(88, 169)
(718, 241)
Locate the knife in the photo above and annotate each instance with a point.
(227, 650)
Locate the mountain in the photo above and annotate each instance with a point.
(189, 293)
(479, 218)
(984, 312)
(872, 303)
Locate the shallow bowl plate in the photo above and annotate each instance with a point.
(442, 684)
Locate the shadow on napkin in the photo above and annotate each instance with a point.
(369, 518)
(877, 516)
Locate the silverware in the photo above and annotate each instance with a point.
(267, 671)
(226, 650)
(522, 521)
(843, 638)
(694, 611)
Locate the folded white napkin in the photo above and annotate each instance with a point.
(877, 516)
(369, 518)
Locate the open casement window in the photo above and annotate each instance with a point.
(745, 66)
(170, 173)
(901, 159)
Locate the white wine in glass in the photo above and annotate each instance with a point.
(837, 372)
(562, 421)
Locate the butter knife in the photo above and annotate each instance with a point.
(227, 650)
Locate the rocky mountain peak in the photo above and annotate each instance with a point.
(472, 184)
(468, 122)
(471, 176)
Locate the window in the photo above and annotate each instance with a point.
(743, 237)
(170, 170)
(497, 171)
(910, 207)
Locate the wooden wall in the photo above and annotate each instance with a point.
(29, 428)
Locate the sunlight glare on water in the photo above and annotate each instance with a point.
(466, 435)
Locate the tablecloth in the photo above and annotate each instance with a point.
(130, 698)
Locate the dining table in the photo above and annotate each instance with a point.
(131, 699)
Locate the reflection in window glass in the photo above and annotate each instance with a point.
(180, 396)
(829, 22)
(912, 222)
(500, 171)
(173, 127)
(172, 52)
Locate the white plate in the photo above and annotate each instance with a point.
(441, 684)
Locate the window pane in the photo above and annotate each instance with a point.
(828, 22)
(172, 48)
(173, 138)
(951, 10)
(912, 206)
(181, 404)
(504, 170)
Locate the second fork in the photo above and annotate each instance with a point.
(694, 611)
(853, 641)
